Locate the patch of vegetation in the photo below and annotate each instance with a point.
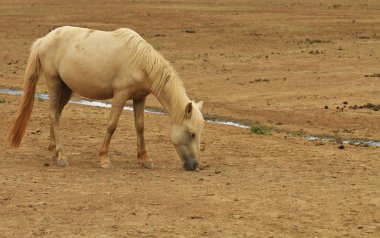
(334, 6)
(2, 100)
(260, 129)
(40, 99)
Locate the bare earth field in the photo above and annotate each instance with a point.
(277, 63)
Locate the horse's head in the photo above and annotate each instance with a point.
(186, 136)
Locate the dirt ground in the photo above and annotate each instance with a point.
(276, 62)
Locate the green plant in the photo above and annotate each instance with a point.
(260, 129)
(2, 100)
(40, 99)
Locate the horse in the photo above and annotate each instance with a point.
(118, 65)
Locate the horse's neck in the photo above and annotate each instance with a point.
(173, 102)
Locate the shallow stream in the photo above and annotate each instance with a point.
(45, 96)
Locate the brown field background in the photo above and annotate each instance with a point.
(277, 63)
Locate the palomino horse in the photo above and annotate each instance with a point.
(102, 65)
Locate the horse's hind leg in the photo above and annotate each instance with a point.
(118, 103)
(55, 88)
(64, 99)
(138, 110)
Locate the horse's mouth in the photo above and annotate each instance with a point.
(191, 165)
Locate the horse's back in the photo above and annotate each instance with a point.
(80, 42)
(83, 58)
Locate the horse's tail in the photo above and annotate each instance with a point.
(32, 74)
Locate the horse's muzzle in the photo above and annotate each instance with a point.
(191, 165)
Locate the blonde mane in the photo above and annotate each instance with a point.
(163, 77)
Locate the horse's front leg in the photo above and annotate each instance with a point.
(138, 110)
(118, 103)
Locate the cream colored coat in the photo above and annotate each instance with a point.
(102, 65)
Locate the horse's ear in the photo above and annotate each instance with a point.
(188, 110)
(200, 105)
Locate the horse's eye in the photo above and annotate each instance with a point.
(192, 135)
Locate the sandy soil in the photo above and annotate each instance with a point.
(277, 63)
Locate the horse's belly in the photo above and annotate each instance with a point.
(87, 79)
(92, 92)
(89, 87)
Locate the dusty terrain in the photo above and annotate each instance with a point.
(277, 63)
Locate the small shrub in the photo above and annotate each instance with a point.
(2, 100)
(260, 129)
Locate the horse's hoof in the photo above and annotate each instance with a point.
(106, 165)
(63, 162)
(147, 165)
